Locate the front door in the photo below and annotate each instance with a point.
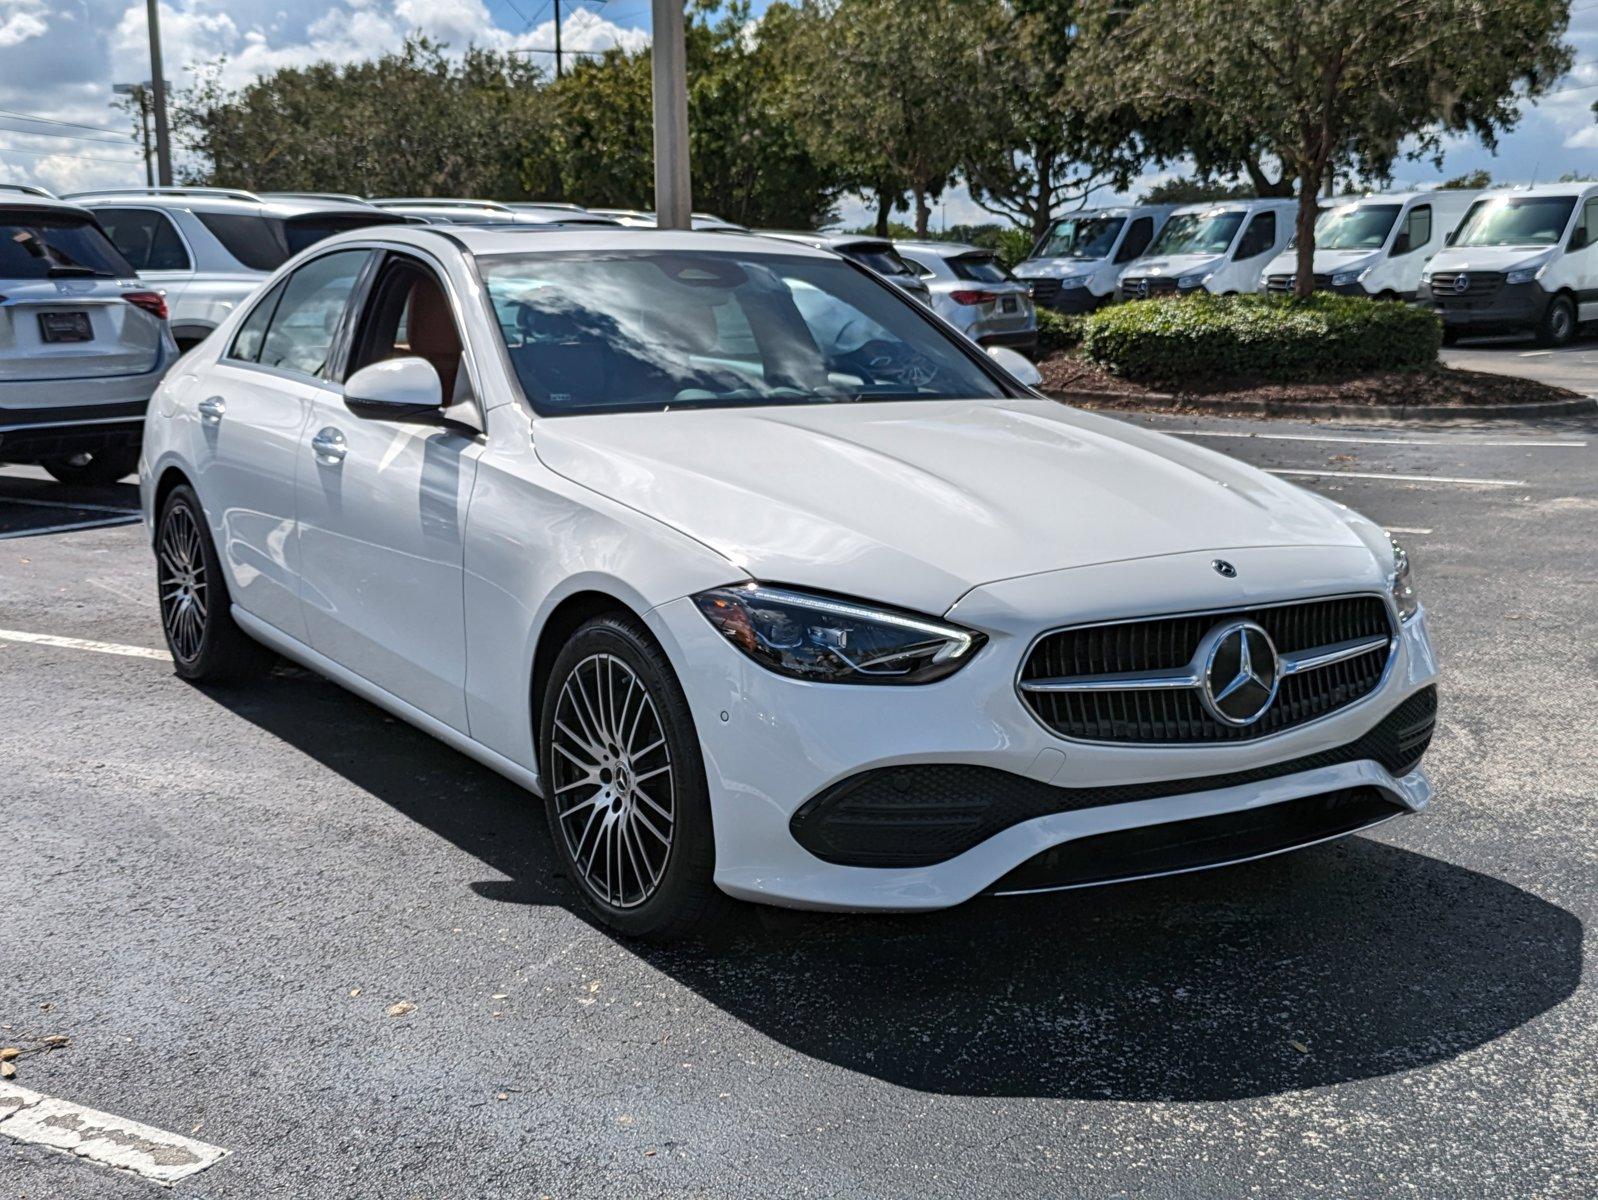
(382, 510)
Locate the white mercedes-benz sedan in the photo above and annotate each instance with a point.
(768, 582)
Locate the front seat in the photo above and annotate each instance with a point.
(430, 329)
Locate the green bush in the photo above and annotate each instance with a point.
(1057, 331)
(1264, 338)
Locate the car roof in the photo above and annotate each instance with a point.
(1242, 202)
(830, 241)
(37, 199)
(221, 200)
(1575, 188)
(945, 249)
(489, 240)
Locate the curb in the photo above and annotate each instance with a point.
(1164, 401)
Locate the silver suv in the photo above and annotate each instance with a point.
(209, 248)
(83, 342)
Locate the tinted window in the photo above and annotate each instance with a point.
(1198, 233)
(657, 330)
(307, 317)
(884, 260)
(145, 237)
(1137, 239)
(300, 232)
(1589, 224)
(257, 242)
(1355, 226)
(1259, 237)
(1417, 230)
(46, 245)
(247, 342)
(1080, 237)
(979, 268)
(1516, 221)
(919, 266)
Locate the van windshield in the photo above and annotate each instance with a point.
(1198, 233)
(1080, 237)
(1516, 221)
(657, 330)
(1355, 226)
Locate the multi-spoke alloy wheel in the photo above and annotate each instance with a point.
(182, 577)
(613, 788)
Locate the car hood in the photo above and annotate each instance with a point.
(915, 503)
(1326, 262)
(1173, 264)
(1055, 268)
(1488, 258)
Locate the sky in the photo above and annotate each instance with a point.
(59, 58)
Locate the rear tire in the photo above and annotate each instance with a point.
(1450, 336)
(624, 784)
(1558, 326)
(207, 645)
(99, 468)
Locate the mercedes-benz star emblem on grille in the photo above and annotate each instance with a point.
(1223, 568)
(1143, 288)
(1461, 282)
(1240, 672)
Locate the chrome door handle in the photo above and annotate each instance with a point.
(329, 447)
(212, 409)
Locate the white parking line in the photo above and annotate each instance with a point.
(1352, 440)
(1461, 480)
(104, 1138)
(68, 643)
(96, 523)
(1407, 529)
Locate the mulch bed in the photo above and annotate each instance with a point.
(1440, 386)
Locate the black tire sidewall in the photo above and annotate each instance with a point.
(1546, 333)
(686, 889)
(204, 664)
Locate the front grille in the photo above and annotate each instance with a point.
(1169, 643)
(1445, 284)
(1282, 284)
(1159, 285)
(1200, 842)
(1044, 291)
(926, 813)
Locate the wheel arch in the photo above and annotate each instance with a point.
(169, 479)
(563, 621)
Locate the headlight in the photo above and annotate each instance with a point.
(1426, 277)
(1194, 281)
(1073, 281)
(1345, 278)
(1402, 583)
(1525, 274)
(835, 641)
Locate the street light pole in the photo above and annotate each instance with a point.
(558, 71)
(163, 147)
(673, 195)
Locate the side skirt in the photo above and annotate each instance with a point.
(453, 738)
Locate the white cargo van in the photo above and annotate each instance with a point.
(1522, 259)
(1219, 247)
(1075, 266)
(1374, 245)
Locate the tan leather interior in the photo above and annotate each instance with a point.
(430, 329)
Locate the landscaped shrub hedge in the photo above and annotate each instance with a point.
(1057, 331)
(1265, 338)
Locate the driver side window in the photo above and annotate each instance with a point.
(408, 315)
(1259, 237)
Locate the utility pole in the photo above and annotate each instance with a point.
(558, 71)
(163, 145)
(673, 194)
(141, 96)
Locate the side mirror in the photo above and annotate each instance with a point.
(397, 389)
(1448, 238)
(1016, 364)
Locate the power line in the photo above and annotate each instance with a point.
(9, 112)
(121, 162)
(51, 133)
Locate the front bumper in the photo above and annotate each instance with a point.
(772, 743)
(1511, 307)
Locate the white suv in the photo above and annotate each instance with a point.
(82, 342)
(208, 249)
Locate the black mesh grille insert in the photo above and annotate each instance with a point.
(1168, 643)
(914, 816)
(1201, 842)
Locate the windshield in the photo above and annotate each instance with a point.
(1355, 226)
(1080, 237)
(1198, 233)
(656, 330)
(48, 245)
(1515, 221)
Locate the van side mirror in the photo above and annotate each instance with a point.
(1448, 238)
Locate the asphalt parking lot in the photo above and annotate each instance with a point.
(1574, 366)
(219, 897)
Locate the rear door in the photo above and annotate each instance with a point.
(252, 410)
(62, 315)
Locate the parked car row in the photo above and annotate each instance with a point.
(1505, 260)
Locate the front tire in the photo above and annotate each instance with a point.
(207, 645)
(624, 781)
(1558, 326)
(96, 469)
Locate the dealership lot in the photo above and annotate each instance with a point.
(281, 923)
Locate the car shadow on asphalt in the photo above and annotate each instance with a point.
(1343, 962)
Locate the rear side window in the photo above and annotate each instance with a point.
(918, 266)
(884, 260)
(247, 342)
(979, 268)
(145, 237)
(1137, 239)
(257, 242)
(300, 232)
(1259, 237)
(48, 245)
(1417, 230)
(307, 317)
